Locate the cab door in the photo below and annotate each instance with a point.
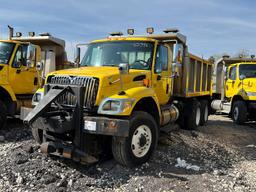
(161, 73)
(232, 81)
(23, 79)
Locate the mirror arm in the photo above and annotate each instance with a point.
(123, 69)
(77, 56)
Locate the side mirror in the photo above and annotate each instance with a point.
(39, 66)
(124, 68)
(177, 58)
(31, 55)
(242, 77)
(175, 69)
(177, 53)
(77, 55)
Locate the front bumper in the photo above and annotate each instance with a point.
(91, 124)
(106, 126)
(70, 132)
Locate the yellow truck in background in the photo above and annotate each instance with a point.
(234, 88)
(126, 89)
(24, 64)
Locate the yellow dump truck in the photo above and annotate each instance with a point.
(234, 88)
(126, 89)
(24, 62)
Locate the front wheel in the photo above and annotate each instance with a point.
(139, 146)
(239, 112)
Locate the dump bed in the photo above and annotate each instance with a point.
(194, 79)
(53, 45)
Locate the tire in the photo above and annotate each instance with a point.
(180, 121)
(239, 112)
(204, 112)
(3, 115)
(192, 115)
(38, 135)
(138, 147)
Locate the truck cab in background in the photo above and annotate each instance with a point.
(53, 54)
(24, 64)
(235, 87)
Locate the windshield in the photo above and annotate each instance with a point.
(137, 54)
(5, 52)
(248, 70)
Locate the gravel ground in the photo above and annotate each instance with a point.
(217, 157)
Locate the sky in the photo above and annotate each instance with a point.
(211, 26)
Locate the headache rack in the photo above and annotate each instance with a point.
(91, 85)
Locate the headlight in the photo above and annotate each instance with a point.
(251, 94)
(36, 98)
(114, 106)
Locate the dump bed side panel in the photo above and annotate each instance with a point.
(194, 79)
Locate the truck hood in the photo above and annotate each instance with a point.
(109, 77)
(89, 71)
(98, 72)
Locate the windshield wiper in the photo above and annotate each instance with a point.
(111, 65)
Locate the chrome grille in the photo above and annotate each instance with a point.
(91, 88)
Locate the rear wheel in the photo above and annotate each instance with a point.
(38, 135)
(139, 146)
(204, 112)
(3, 115)
(239, 112)
(192, 115)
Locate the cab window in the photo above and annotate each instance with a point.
(136, 53)
(6, 50)
(20, 57)
(232, 73)
(161, 59)
(247, 70)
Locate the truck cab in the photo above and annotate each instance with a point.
(241, 91)
(124, 91)
(235, 86)
(24, 64)
(19, 78)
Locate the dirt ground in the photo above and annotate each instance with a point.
(217, 157)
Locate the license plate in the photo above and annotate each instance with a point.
(90, 125)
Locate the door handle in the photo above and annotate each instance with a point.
(18, 71)
(159, 77)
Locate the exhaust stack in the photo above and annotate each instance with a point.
(10, 32)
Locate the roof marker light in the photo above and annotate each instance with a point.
(31, 34)
(150, 30)
(116, 34)
(171, 30)
(18, 34)
(130, 31)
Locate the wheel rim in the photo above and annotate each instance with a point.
(141, 141)
(206, 113)
(235, 113)
(198, 114)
